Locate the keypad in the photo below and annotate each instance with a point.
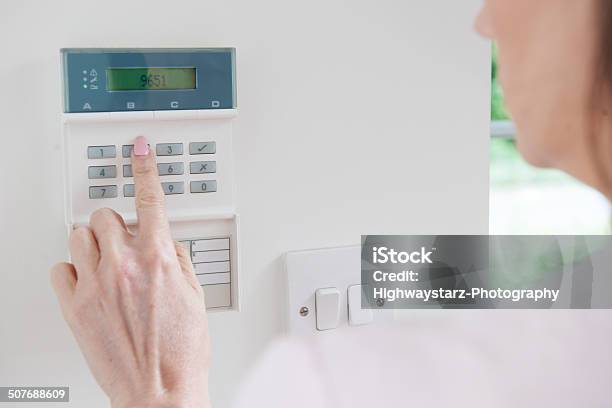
(211, 263)
(101, 152)
(165, 169)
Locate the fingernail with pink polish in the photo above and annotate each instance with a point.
(141, 147)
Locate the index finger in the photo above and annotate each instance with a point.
(150, 204)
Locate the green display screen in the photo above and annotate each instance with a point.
(150, 79)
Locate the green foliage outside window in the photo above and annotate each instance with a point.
(498, 110)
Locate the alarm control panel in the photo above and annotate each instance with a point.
(183, 101)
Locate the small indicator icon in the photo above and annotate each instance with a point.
(84, 72)
(86, 106)
(85, 86)
(215, 104)
(130, 105)
(93, 73)
(174, 104)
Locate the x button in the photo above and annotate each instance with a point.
(203, 167)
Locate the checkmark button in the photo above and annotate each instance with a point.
(202, 148)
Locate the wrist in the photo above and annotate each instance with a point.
(166, 403)
(167, 400)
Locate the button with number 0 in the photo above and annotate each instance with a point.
(96, 192)
(203, 186)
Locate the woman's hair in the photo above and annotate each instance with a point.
(602, 86)
(606, 38)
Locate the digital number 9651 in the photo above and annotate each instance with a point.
(152, 81)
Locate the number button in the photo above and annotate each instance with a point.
(102, 172)
(126, 151)
(202, 148)
(128, 190)
(164, 169)
(101, 152)
(98, 192)
(173, 188)
(204, 186)
(169, 169)
(169, 149)
(202, 167)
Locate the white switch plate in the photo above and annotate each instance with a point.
(307, 271)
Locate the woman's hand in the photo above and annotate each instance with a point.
(134, 304)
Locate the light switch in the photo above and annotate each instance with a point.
(357, 315)
(327, 303)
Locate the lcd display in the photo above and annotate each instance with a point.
(150, 79)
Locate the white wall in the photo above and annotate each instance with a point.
(355, 117)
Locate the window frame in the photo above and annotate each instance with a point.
(502, 129)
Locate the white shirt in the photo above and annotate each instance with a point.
(484, 358)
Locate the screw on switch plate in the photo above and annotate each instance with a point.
(304, 311)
